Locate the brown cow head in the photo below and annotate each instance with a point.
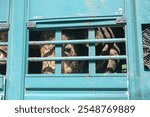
(68, 50)
(3, 49)
(3, 52)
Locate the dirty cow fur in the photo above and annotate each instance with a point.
(68, 50)
(3, 51)
(106, 49)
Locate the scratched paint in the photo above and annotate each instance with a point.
(119, 12)
(90, 6)
(103, 2)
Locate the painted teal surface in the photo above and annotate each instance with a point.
(76, 24)
(16, 51)
(4, 10)
(1, 83)
(76, 82)
(131, 49)
(142, 14)
(92, 66)
(76, 96)
(133, 85)
(58, 50)
(50, 9)
(1, 88)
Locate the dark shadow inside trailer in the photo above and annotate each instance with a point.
(37, 39)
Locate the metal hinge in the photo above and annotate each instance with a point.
(31, 24)
(4, 26)
(121, 20)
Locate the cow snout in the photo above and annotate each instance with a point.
(69, 50)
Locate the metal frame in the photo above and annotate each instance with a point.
(21, 85)
(16, 50)
(51, 86)
(141, 17)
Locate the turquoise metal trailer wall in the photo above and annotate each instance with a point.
(25, 20)
(74, 9)
(4, 11)
(142, 19)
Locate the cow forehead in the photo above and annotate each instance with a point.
(3, 36)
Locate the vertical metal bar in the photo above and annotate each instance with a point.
(4, 87)
(16, 51)
(131, 45)
(27, 53)
(91, 36)
(58, 52)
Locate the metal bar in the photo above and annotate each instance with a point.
(76, 91)
(76, 58)
(67, 82)
(91, 35)
(99, 18)
(100, 75)
(4, 86)
(71, 96)
(1, 96)
(77, 24)
(17, 48)
(1, 83)
(81, 41)
(3, 43)
(58, 52)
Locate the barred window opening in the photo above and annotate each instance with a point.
(77, 51)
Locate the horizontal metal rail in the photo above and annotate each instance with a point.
(90, 58)
(78, 75)
(75, 24)
(71, 96)
(92, 18)
(81, 41)
(3, 43)
(96, 82)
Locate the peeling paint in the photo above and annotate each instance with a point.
(90, 7)
(37, 17)
(102, 2)
(80, 14)
(120, 11)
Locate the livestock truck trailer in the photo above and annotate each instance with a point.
(74, 49)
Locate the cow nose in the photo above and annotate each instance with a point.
(68, 49)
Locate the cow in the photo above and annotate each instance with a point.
(3, 52)
(107, 49)
(68, 50)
